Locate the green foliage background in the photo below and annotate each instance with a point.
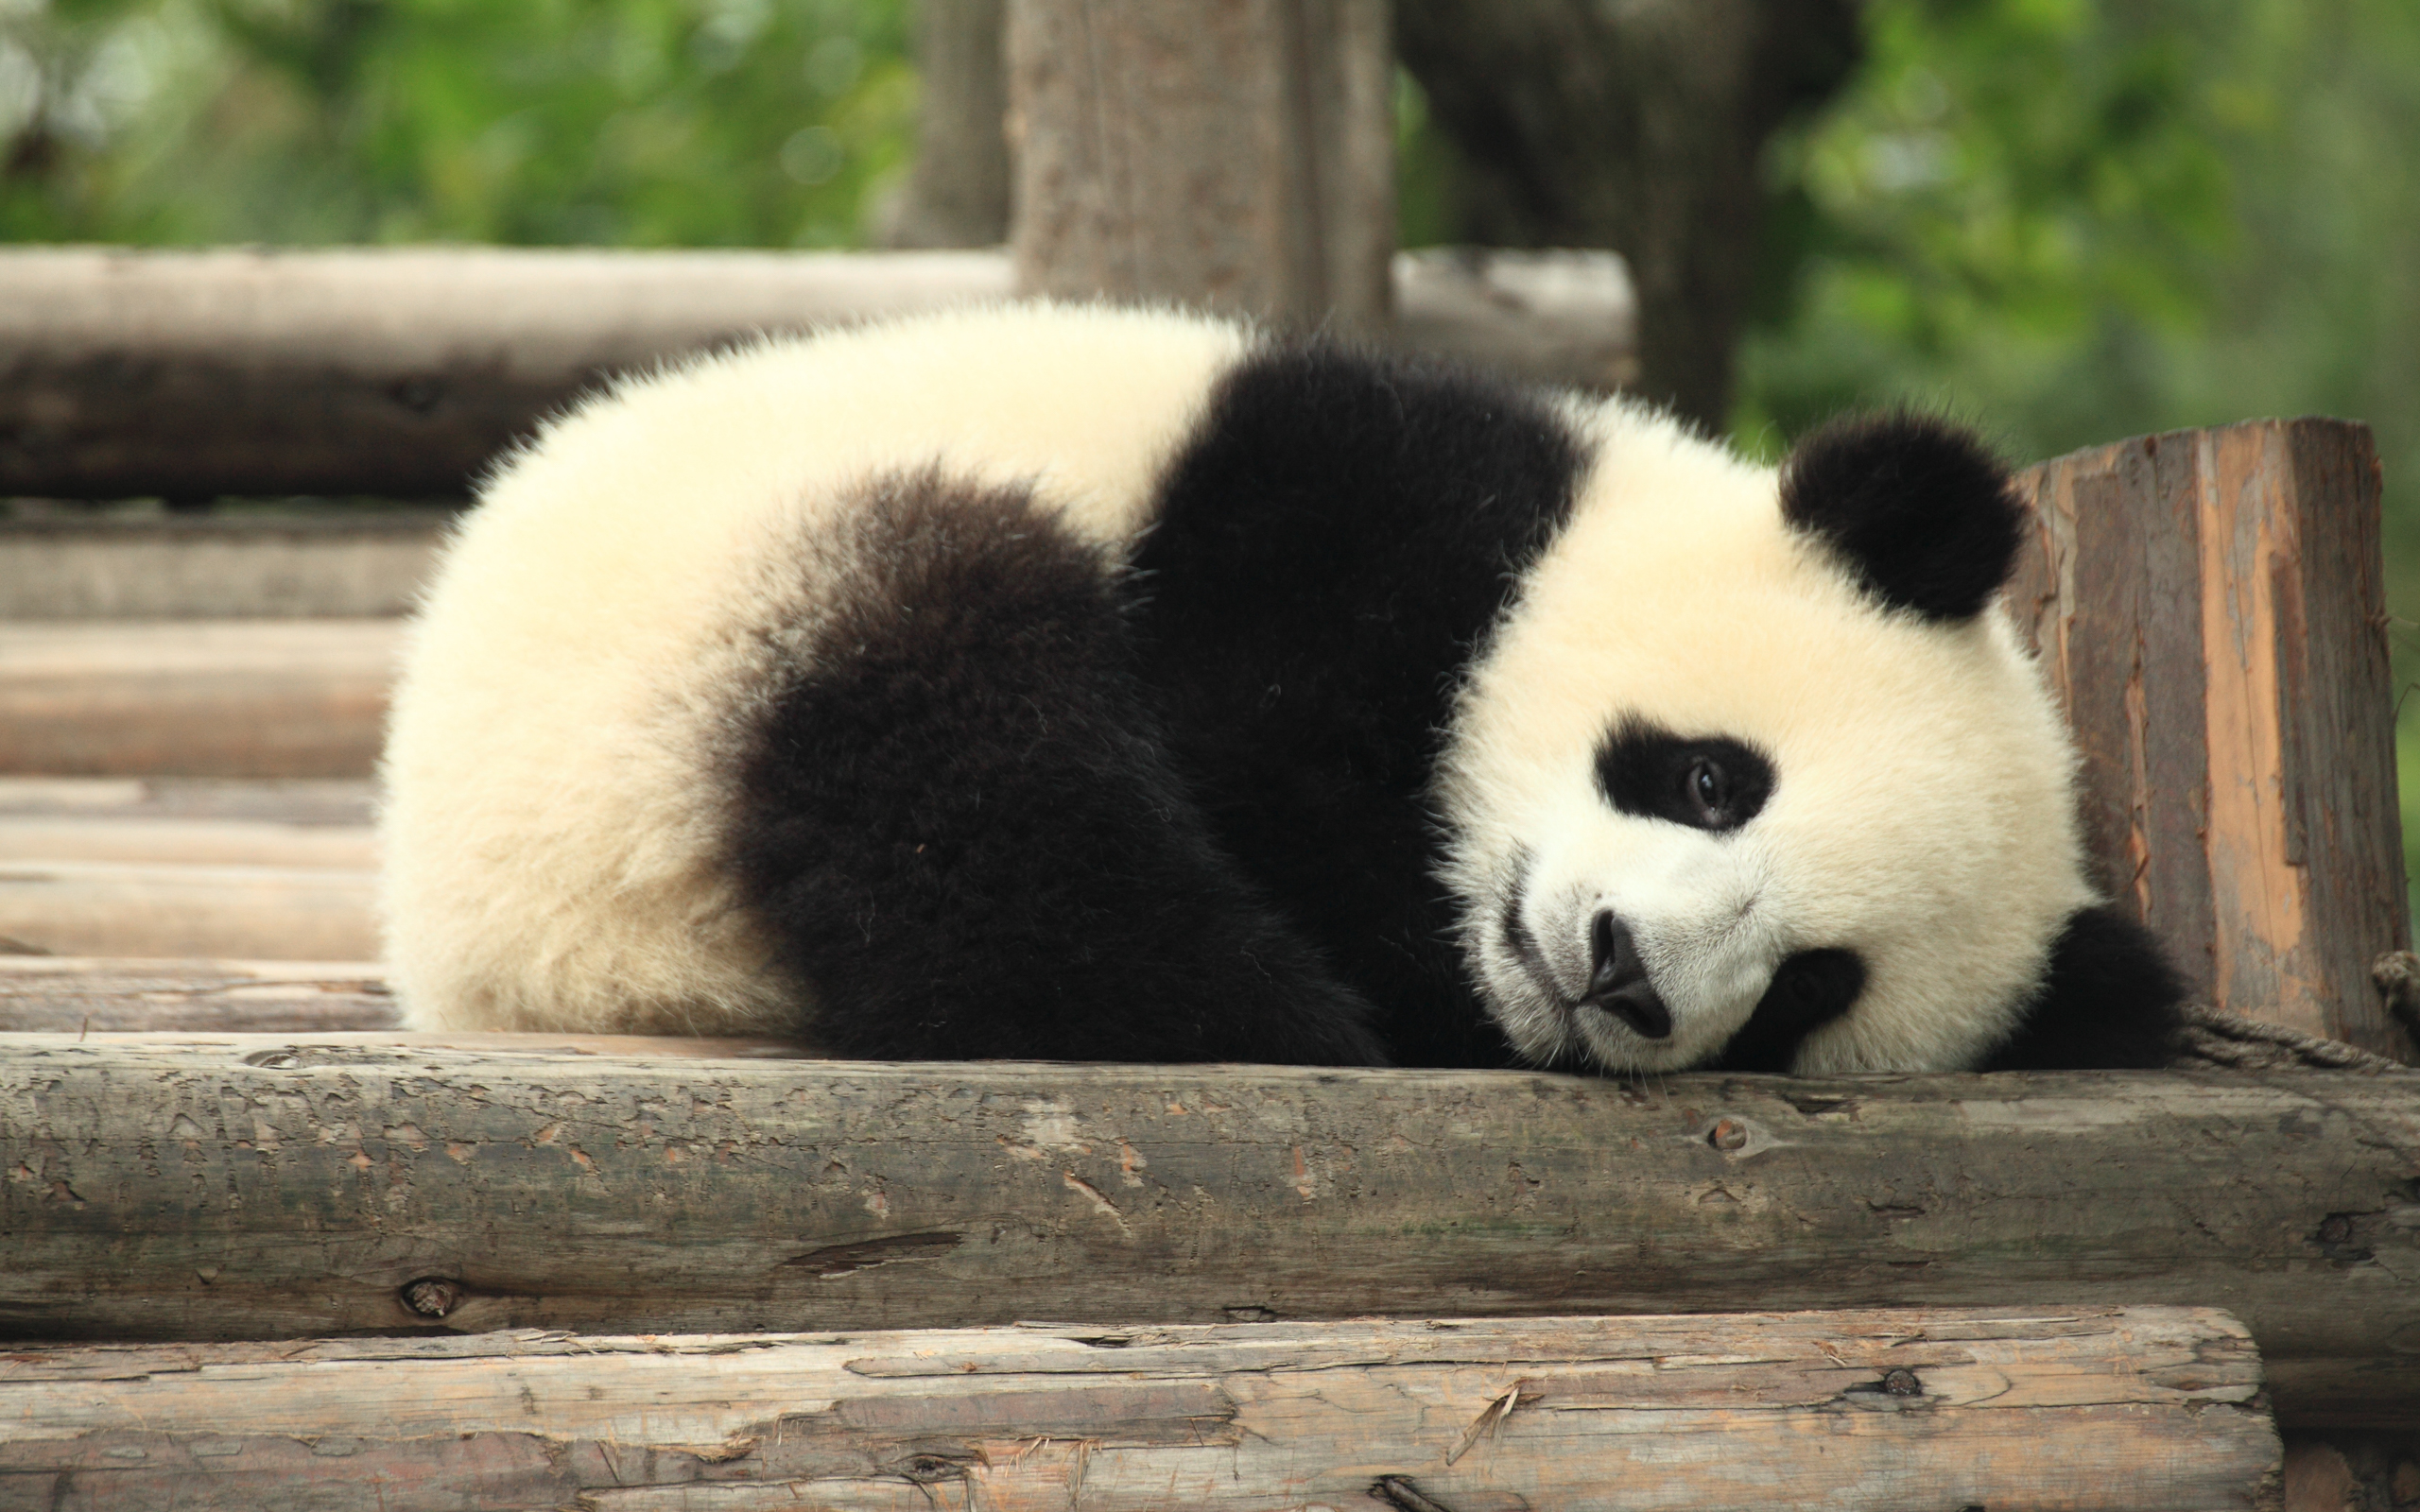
(2070, 220)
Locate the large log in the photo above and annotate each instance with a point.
(1237, 155)
(2211, 605)
(284, 1187)
(2137, 1410)
(402, 372)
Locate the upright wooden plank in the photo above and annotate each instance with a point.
(268, 1187)
(2133, 1410)
(2211, 606)
(1237, 155)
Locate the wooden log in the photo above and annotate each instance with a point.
(401, 373)
(365, 564)
(285, 1187)
(82, 997)
(1238, 156)
(2131, 1409)
(2211, 606)
(139, 908)
(957, 192)
(195, 698)
(395, 372)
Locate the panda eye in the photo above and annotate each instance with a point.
(1706, 789)
(1707, 781)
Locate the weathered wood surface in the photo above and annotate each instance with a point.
(402, 372)
(59, 995)
(365, 564)
(195, 698)
(1240, 156)
(2211, 606)
(281, 1187)
(2139, 1410)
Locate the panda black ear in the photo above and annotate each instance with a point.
(1920, 509)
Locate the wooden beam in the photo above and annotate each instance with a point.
(2211, 605)
(402, 372)
(356, 564)
(1239, 156)
(2129, 1410)
(298, 698)
(285, 1187)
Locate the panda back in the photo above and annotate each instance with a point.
(637, 583)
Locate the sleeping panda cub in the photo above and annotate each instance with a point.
(1098, 684)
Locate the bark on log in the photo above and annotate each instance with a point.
(303, 698)
(284, 1188)
(1239, 156)
(2136, 1410)
(2211, 606)
(401, 373)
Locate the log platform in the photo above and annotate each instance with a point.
(2128, 1410)
(257, 1187)
(120, 867)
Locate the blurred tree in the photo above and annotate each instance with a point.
(1638, 127)
(632, 122)
(2076, 220)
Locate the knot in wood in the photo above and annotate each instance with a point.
(1903, 1382)
(432, 1296)
(2335, 1229)
(1727, 1134)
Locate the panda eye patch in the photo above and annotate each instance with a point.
(1709, 782)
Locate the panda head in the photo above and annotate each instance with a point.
(1755, 775)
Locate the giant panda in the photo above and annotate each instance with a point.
(1089, 683)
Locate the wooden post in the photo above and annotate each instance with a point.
(2131, 1410)
(281, 1187)
(2211, 607)
(957, 194)
(1237, 155)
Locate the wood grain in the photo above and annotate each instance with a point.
(400, 373)
(2211, 607)
(288, 1186)
(263, 699)
(2134, 1410)
(1239, 156)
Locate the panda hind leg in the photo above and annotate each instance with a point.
(964, 831)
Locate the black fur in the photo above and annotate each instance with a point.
(1330, 552)
(1643, 768)
(1922, 512)
(962, 827)
(1809, 990)
(2112, 1002)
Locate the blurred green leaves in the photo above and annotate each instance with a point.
(618, 122)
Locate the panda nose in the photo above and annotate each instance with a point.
(1617, 981)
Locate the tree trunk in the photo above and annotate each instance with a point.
(1636, 127)
(2211, 607)
(1238, 156)
(956, 195)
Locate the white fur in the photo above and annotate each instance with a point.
(1921, 815)
(559, 767)
(555, 770)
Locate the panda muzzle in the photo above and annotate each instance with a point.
(1618, 980)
